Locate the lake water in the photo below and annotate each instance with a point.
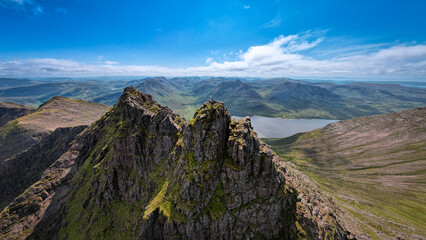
(269, 127)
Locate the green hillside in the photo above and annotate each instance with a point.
(375, 167)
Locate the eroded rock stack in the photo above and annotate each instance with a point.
(142, 172)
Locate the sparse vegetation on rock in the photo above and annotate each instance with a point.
(142, 172)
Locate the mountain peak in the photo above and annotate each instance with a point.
(211, 110)
(133, 95)
(129, 89)
(142, 172)
(135, 98)
(208, 131)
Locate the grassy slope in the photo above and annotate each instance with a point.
(375, 167)
(63, 112)
(21, 133)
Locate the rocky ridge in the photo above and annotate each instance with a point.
(58, 112)
(22, 170)
(11, 111)
(142, 172)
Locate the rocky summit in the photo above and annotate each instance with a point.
(143, 172)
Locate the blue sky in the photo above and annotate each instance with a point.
(354, 39)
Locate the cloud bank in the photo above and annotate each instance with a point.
(285, 56)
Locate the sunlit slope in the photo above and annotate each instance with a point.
(10, 111)
(374, 166)
(23, 132)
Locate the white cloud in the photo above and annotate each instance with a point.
(111, 62)
(282, 57)
(246, 6)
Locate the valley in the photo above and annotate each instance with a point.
(374, 167)
(276, 97)
(367, 173)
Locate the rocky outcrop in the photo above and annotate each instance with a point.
(142, 172)
(11, 111)
(24, 169)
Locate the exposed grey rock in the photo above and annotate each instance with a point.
(141, 172)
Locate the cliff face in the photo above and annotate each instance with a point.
(24, 169)
(11, 111)
(142, 172)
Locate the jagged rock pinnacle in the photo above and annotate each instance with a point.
(142, 172)
(208, 131)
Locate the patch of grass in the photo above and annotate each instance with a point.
(158, 202)
(361, 189)
(229, 162)
(217, 204)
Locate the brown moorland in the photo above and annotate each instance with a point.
(10, 111)
(375, 167)
(23, 132)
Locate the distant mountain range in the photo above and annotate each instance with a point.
(279, 97)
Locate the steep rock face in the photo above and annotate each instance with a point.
(142, 172)
(229, 185)
(11, 111)
(24, 169)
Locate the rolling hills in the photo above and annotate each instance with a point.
(36, 94)
(241, 97)
(375, 167)
(23, 132)
(278, 97)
